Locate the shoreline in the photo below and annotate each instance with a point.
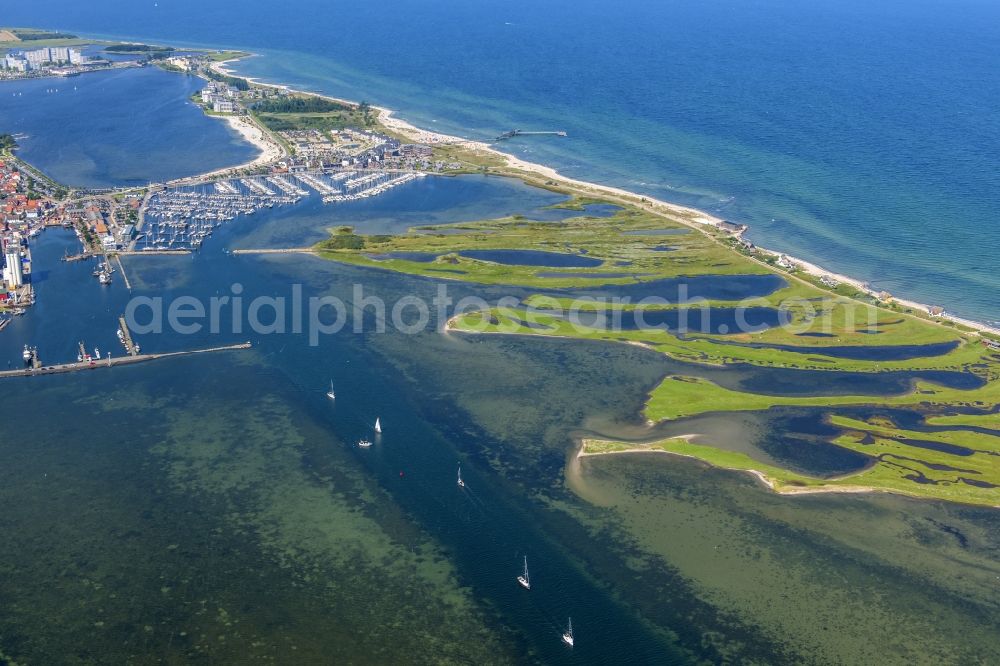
(691, 217)
(270, 151)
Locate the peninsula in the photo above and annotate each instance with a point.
(721, 300)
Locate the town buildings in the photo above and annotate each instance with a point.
(38, 59)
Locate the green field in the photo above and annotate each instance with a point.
(26, 39)
(303, 112)
(334, 120)
(223, 56)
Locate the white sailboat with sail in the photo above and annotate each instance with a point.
(461, 484)
(567, 636)
(523, 580)
(330, 394)
(378, 426)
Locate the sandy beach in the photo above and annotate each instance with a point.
(689, 216)
(270, 150)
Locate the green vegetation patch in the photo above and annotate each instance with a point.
(680, 397)
(305, 112)
(29, 35)
(991, 420)
(237, 82)
(138, 48)
(223, 56)
(300, 104)
(596, 237)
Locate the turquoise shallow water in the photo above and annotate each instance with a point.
(859, 135)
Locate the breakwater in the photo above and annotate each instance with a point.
(110, 362)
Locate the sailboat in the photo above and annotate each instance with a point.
(378, 425)
(523, 579)
(567, 636)
(330, 394)
(461, 484)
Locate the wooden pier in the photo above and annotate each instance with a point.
(111, 362)
(516, 132)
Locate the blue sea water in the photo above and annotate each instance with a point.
(124, 127)
(860, 135)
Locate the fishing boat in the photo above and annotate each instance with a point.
(330, 394)
(461, 484)
(378, 426)
(523, 580)
(567, 636)
(364, 443)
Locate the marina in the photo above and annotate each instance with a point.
(179, 219)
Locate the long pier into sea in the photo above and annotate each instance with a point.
(516, 132)
(112, 362)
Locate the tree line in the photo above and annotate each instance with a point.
(299, 105)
